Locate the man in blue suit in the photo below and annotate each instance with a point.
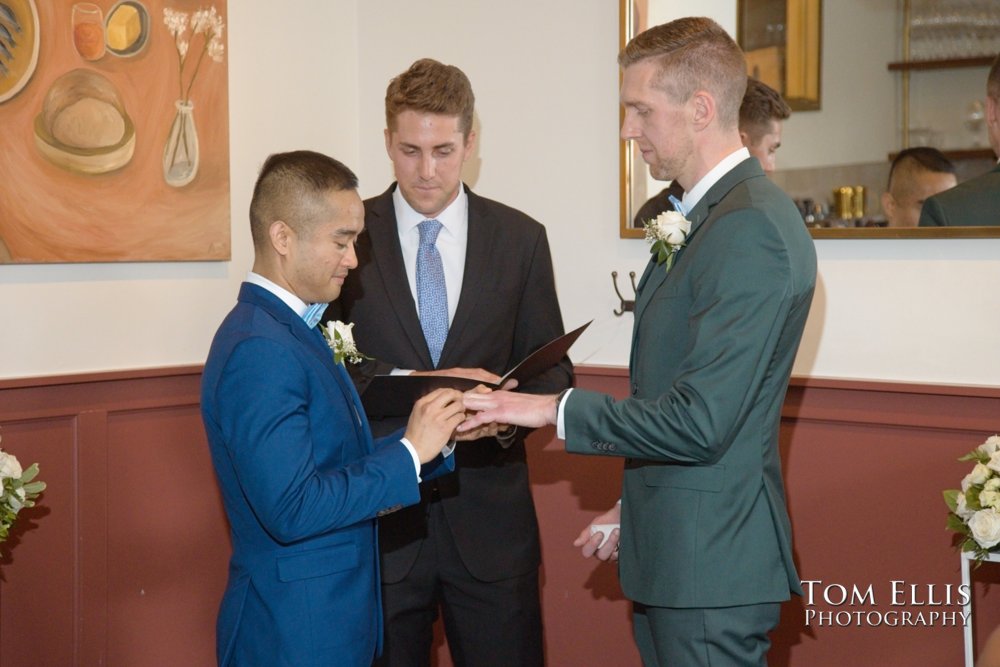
(302, 479)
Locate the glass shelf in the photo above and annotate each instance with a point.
(949, 63)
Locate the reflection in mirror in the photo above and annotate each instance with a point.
(781, 40)
(853, 138)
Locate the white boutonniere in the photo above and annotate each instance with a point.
(341, 340)
(667, 233)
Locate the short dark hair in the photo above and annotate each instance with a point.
(431, 87)
(920, 158)
(693, 53)
(290, 188)
(761, 105)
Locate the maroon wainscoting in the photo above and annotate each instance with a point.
(124, 560)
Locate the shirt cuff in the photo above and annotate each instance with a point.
(561, 416)
(400, 371)
(447, 451)
(413, 454)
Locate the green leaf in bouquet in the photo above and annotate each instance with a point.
(34, 488)
(951, 499)
(972, 498)
(975, 455)
(30, 473)
(956, 524)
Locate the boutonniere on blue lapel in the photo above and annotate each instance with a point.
(667, 233)
(340, 338)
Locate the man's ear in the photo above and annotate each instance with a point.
(281, 236)
(888, 204)
(470, 143)
(703, 109)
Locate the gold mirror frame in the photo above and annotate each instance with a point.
(627, 213)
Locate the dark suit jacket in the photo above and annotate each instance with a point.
(302, 482)
(507, 309)
(974, 203)
(704, 522)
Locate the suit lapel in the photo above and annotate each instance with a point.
(474, 278)
(314, 341)
(655, 276)
(388, 257)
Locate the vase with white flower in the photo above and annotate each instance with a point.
(181, 156)
(975, 507)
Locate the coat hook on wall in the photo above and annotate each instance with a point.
(627, 306)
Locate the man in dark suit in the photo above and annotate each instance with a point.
(705, 539)
(976, 202)
(471, 547)
(302, 479)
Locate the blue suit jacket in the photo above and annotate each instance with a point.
(302, 482)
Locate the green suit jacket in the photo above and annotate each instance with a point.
(704, 522)
(974, 203)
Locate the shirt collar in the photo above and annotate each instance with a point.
(295, 303)
(694, 195)
(451, 218)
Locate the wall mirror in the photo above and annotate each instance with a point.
(822, 128)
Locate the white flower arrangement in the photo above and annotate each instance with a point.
(340, 338)
(667, 233)
(975, 507)
(17, 490)
(204, 22)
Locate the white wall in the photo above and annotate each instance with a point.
(925, 311)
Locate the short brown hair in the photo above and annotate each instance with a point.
(431, 87)
(693, 53)
(761, 105)
(291, 188)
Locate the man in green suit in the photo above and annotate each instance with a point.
(976, 202)
(705, 539)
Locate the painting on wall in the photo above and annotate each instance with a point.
(114, 131)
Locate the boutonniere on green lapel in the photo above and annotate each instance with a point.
(340, 338)
(667, 232)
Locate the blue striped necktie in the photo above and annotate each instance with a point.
(432, 294)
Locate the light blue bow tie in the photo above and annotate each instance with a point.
(678, 206)
(313, 314)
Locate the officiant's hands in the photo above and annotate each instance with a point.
(506, 407)
(433, 420)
